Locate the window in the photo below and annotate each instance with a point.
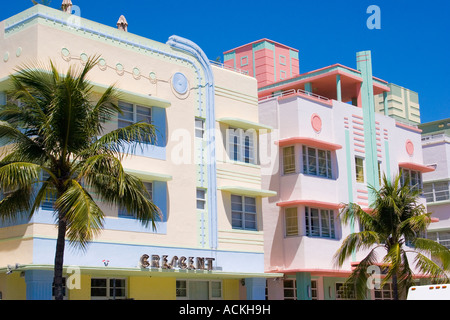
(436, 191)
(243, 212)
(108, 288)
(314, 289)
(201, 199)
(379, 173)
(199, 128)
(319, 222)
(317, 162)
(291, 221)
(359, 167)
(133, 113)
(288, 160)
(441, 237)
(290, 289)
(123, 211)
(241, 145)
(384, 293)
(194, 290)
(341, 293)
(48, 202)
(414, 178)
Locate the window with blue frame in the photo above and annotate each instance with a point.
(241, 145)
(123, 213)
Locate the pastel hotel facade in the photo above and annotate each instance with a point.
(436, 184)
(329, 143)
(203, 172)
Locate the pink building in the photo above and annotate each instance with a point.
(328, 144)
(266, 60)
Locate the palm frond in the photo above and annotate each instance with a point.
(82, 215)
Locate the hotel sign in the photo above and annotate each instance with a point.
(182, 263)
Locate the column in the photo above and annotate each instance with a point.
(308, 87)
(303, 280)
(256, 288)
(338, 88)
(39, 284)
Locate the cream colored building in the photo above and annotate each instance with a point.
(204, 177)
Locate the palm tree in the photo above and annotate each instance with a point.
(394, 224)
(56, 132)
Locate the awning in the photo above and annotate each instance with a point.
(244, 124)
(149, 176)
(132, 97)
(310, 203)
(416, 166)
(321, 144)
(248, 191)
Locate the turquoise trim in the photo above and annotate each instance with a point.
(364, 65)
(308, 87)
(303, 280)
(293, 54)
(385, 104)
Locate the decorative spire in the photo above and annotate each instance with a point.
(67, 6)
(122, 24)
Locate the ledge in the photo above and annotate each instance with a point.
(248, 191)
(321, 144)
(310, 203)
(150, 176)
(244, 124)
(416, 166)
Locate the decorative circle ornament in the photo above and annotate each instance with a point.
(409, 147)
(316, 123)
(180, 83)
(102, 64)
(65, 54)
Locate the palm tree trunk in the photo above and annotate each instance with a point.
(395, 286)
(59, 259)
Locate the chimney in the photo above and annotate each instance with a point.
(67, 6)
(122, 24)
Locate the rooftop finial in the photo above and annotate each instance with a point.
(122, 24)
(67, 6)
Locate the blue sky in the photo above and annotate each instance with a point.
(412, 48)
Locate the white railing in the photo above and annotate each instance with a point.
(293, 92)
(223, 66)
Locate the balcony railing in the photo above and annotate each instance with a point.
(294, 92)
(223, 66)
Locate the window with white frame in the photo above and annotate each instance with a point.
(414, 178)
(289, 160)
(314, 290)
(319, 223)
(384, 293)
(342, 292)
(132, 113)
(442, 237)
(201, 198)
(199, 128)
(359, 168)
(241, 145)
(210, 290)
(291, 221)
(317, 162)
(290, 289)
(108, 288)
(436, 191)
(123, 212)
(243, 212)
